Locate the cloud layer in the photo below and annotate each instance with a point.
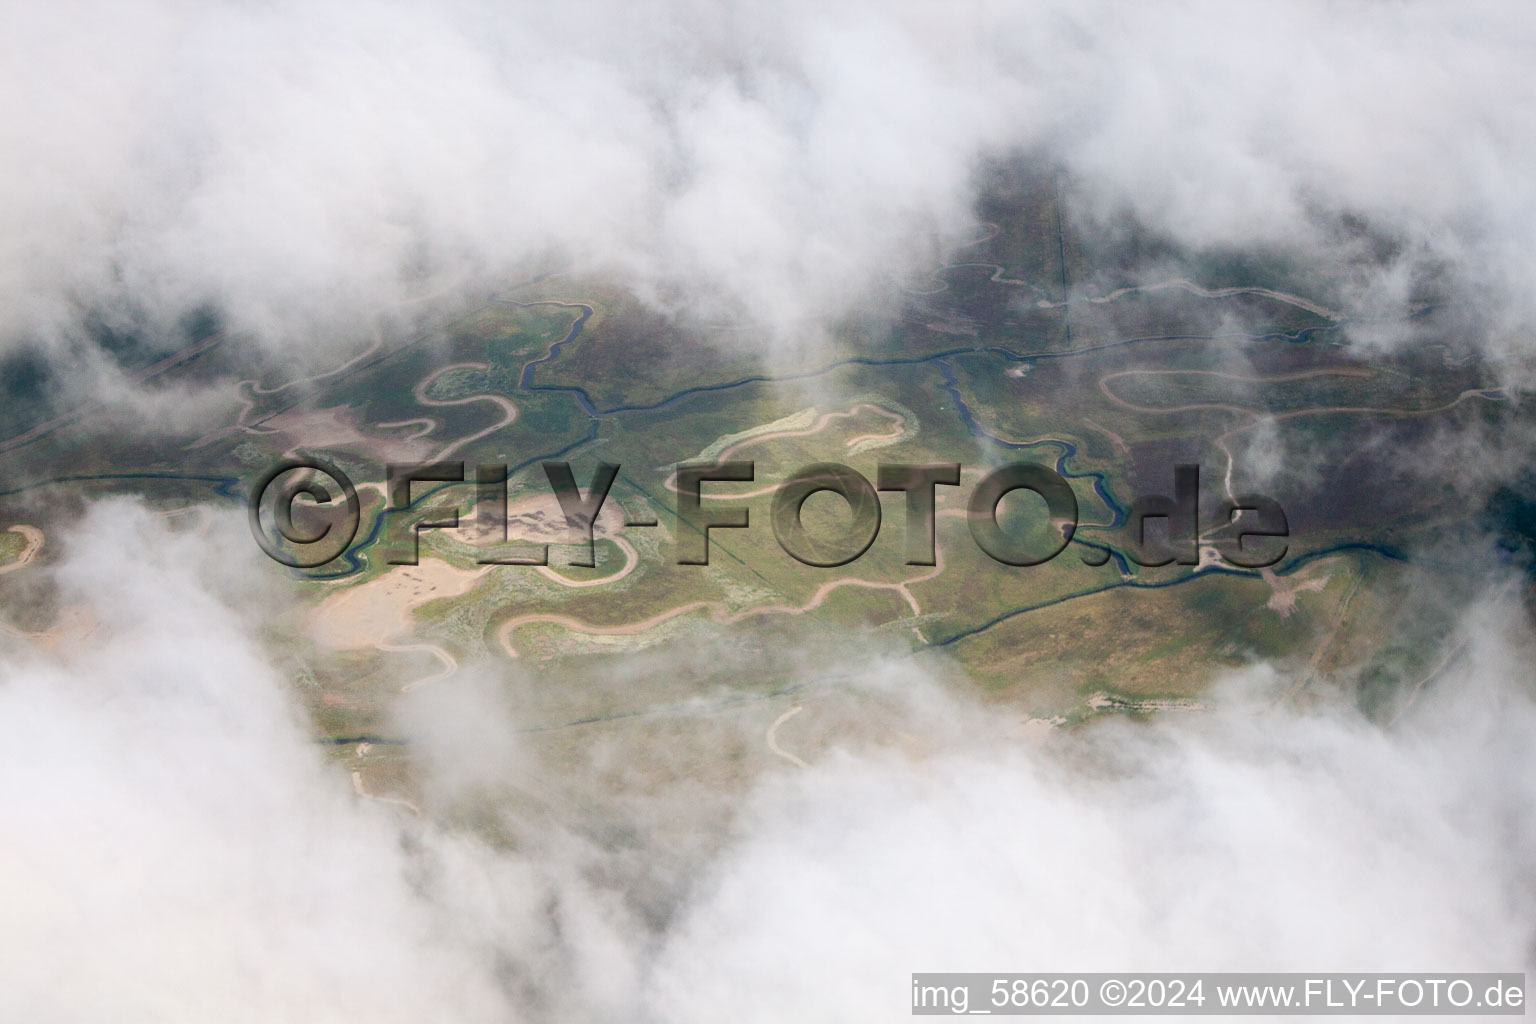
(174, 848)
(306, 166)
(174, 845)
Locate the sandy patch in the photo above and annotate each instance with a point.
(372, 613)
(34, 539)
(1284, 589)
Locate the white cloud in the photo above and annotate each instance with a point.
(305, 165)
(174, 848)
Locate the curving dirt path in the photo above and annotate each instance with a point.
(1487, 394)
(362, 791)
(998, 270)
(771, 737)
(821, 424)
(631, 560)
(449, 662)
(1108, 392)
(719, 611)
(1176, 284)
(249, 390)
(508, 409)
(424, 424)
(990, 231)
(1184, 284)
(255, 389)
(1497, 394)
